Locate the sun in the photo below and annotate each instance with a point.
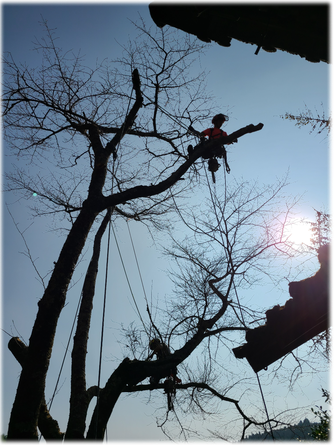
(299, 232)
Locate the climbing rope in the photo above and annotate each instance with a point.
(102, 330)
(221, 234)
(135, 255)
(265, 406)
(128, 281)
(106, 275)
(169, 115)
(236, 293)
(65, 353)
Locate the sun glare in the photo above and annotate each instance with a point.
(299, 232)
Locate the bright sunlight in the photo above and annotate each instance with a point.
(299, 231)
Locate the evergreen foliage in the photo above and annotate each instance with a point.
(318, 122)
(321, 231)
(301, 431)
(321, 430)
(304, 430)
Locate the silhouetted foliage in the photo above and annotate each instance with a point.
(319, 122)
(299, 432)
(321, 230)
(112, 145)
(321, 431)
(322, 233)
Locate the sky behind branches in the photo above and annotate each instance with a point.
(250, 89)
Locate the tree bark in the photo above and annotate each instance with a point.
(130, 372)
(79, 400)
(142, 191)
(48, 427)
(30, 391)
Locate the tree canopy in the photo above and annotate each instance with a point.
(110, 143)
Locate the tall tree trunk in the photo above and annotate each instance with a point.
(30, 391)
(79, 400)
(48, 427)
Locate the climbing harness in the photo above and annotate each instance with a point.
(213, 164)
(214, 152)
(217, 151)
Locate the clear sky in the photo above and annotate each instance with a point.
(252, 88)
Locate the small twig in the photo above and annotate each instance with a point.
(20, 336)
(7, 333)
(28, 253)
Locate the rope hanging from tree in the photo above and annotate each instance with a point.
(241, 313)
(106, 272)
(128, 281)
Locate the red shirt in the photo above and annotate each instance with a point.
(214, 133)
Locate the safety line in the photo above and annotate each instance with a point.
(65, 354)
(135, 255)
(169, 115)
(102, 331)
(265, 406)
(128, 281)
(106, 273)
(220, 229)
(63, 362)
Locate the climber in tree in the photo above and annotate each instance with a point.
(216, 132)
(161, 350)
(212, 133)
(214, 151)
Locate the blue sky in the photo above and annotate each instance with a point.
(253, 89)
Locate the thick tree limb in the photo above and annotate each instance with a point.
(143, 191)
(48, 427)
(102, 155)
(131, 372)
(130, 118)
(79, 400)
(30, 391)
(126, 375)
(25, 411)
(200, 385)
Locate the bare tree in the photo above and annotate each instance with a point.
(237, 240)
(112, 138)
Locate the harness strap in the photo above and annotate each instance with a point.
(224, 150)
(225, 161)
(221, 134)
